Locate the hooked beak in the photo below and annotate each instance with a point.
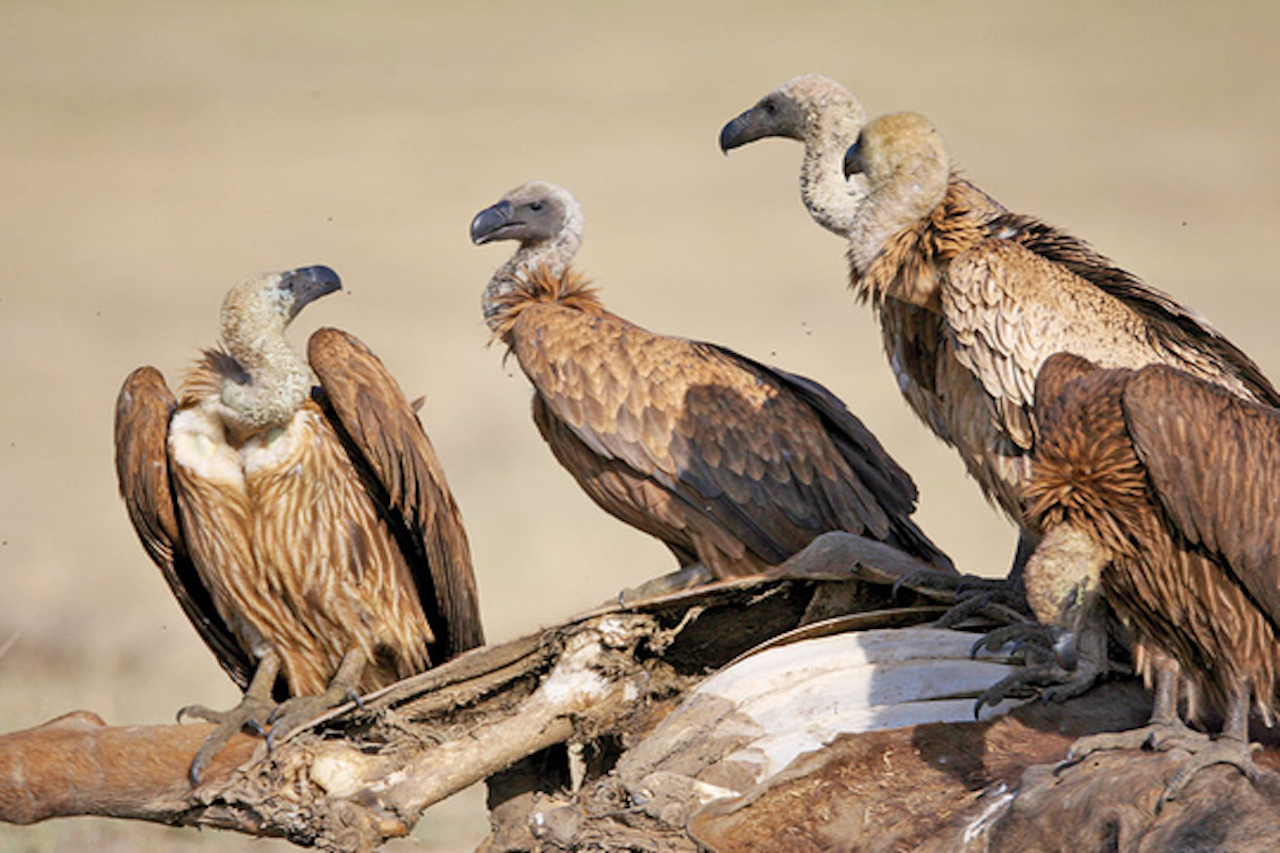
(853, 159)
(1066, 648)
(748, 127)
(490, 221)
(308, 284)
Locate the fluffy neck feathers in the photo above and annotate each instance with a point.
(833, 119)
(540, 284)
(263, 381)
(542, 260)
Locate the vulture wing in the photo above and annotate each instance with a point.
(892, 486)
(1059, 371)
(387, 443)
(1214, 461)
(769, 458)
(143, 410)
(1173, 326)
(1012, 308)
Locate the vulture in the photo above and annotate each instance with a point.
(971, 298)
(1157, 490)
(734, 465)
(307, 532)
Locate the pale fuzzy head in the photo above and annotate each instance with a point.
(533, 213)
(546, 220)
(262, 306)
(1063, 579)
(802, 108)
(272, 381)
(901, 149)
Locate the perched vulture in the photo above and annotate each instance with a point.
(967, 365)
(308, 533)
(733, 464)
(1159, 490)
(971, 298)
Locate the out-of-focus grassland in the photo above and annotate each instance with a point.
(152, 154)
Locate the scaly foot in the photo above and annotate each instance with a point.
(252, 714)
(994, 600)
(294, 714)
(1156, 736)
(1221, 750)
(684, 578)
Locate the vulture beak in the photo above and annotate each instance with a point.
(853, 159)
(748, 127)
(1066, 648)
(492, 220)
(307, 285)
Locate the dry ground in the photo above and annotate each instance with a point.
(152, 154)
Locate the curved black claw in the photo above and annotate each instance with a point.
(252, 713)
(1049, 681)
(1031, 642)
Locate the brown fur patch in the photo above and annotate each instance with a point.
(569, 289)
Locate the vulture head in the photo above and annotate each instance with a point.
(802, 108)
(533, 213)
(906, 169)
(546, 220)
(264, 380)
(900, 148)
(825, 118)
(1064, 577)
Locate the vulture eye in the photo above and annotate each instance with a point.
(537, 205)
(770, 107)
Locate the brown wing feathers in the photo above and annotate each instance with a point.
(1214, 462)
(143, 409)
(385, 439)
(770, 458)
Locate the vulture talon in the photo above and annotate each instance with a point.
(249, 714)
(1027, 643)
(294, 714)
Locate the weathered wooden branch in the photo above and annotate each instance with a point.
(360, 775)
(667, 759)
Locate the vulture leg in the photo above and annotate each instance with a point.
(1165, 730)
(1231, 747)
(292, 714)
(686, 577)
(252, 713)
(1001, 600)
(1054, 680)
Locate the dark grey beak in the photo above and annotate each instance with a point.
(490, 221)
(853, 159)
(748, 127)
(1066, 648)
(308, 284)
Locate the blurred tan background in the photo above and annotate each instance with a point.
(152, 154)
